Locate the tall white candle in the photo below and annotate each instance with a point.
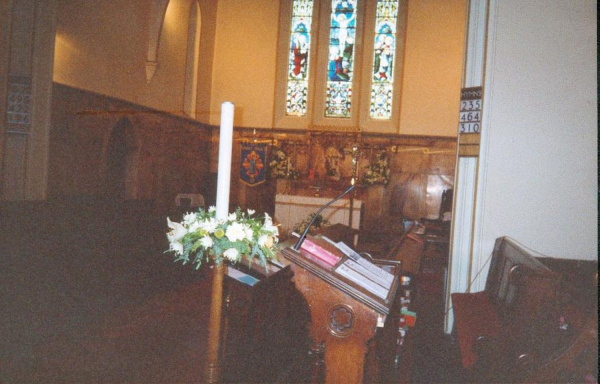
(224, 175)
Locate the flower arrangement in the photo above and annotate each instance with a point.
(320, 222)
(281, 166)
(201, 237)
(378, 172)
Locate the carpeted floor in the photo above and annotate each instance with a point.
(89, 296)
(436, 356)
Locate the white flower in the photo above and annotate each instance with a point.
(212, 208)
(209, 225)
(177, 247)
(235, 232)
(199, 234)
(231, 254)
(177, 231)
(262, 241)
(206, 242)
(189, 218)
(266, 241)
(268, 220)
(194, 227)
(268, 225)
(249, 234)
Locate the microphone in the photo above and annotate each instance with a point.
(296, 246)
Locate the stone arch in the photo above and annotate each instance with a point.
(157, 18)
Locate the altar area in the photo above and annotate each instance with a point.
(290, 210)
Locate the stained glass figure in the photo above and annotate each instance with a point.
(382, 85)
(342, 34)
(298, 71)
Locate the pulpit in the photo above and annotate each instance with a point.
(309, 320)
(348, 300)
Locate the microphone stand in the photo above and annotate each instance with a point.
(296, 246)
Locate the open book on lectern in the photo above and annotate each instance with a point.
(342, 260)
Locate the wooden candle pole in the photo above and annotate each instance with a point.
(353, 181)
(213, 372)
(214, 332)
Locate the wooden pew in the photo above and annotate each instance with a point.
(511, 331)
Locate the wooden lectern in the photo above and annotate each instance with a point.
(345, 310)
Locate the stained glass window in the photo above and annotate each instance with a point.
(298, 71)
(383, 59)
(342, 34)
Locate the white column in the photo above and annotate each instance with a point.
(461, 265)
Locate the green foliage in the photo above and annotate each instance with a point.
(378, 173)
(201, 238)
(320, 222)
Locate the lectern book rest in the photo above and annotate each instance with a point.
(372, 283)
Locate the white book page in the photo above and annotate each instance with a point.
(360, 280)
(381, 274)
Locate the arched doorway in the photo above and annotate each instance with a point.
(120, 161)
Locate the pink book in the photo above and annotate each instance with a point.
(319, 252)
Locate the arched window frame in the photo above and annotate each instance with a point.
(359, 120)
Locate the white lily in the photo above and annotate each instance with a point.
(177, 231)
(268, 225)
(177, 247)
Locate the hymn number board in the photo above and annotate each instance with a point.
(470, 110)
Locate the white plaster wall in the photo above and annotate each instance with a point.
(539, 166)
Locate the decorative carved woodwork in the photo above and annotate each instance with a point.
(341, 320)
(343, 316)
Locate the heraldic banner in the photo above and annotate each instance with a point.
(253, 164)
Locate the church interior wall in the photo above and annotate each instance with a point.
(432, 67)
(171, 155)
(541, 151)
(100, 59)
(166, 154)
(245, 60)
(245, 64)
(103, 49)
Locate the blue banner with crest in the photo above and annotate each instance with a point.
(253, 163)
